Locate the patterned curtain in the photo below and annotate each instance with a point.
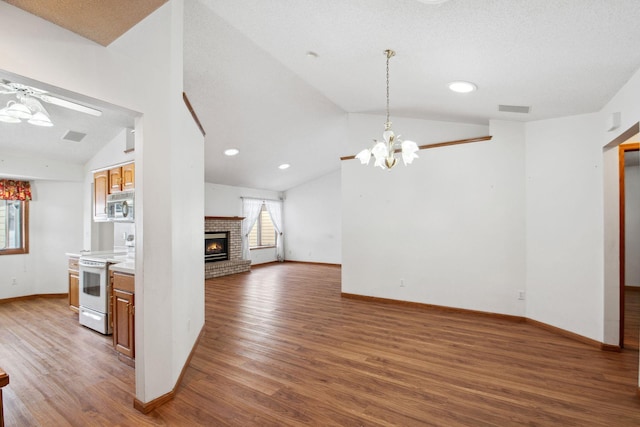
(15, 190)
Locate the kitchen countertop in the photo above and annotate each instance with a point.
(128, 267)
(120, 261)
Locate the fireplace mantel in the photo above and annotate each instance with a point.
(225, 218)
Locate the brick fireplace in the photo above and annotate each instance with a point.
(235, 264)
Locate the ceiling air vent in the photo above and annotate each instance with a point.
(514, 109)
(74, 136)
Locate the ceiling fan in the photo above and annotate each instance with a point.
(28, 106)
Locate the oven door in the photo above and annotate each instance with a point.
(93, 286)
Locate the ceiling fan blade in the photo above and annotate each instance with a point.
(6, 88)
(70, 105)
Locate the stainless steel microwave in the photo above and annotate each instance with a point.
(120, 206)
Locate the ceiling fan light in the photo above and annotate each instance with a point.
(18, 110)
(6, 118)
(40, 119)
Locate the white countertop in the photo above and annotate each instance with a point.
(120, 261)
(128, 267)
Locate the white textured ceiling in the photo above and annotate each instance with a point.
(561, 57)
(253, 87)
(558, 57)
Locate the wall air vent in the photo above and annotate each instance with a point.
(514, 109)
(74, 136)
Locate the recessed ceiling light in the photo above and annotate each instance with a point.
(312, 54)
(284, 166)
(462, 87)
(231, 152)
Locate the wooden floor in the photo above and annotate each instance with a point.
(281, 348)
(632, 318)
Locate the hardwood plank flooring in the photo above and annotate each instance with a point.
(282, 348)
(632, 318)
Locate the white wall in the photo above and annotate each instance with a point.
(632, 222)
(141, 71)
(32, 167)
(225, 200)
(447, 230)
(564, 224)
(55, 218)
(627, 104)
(188, 208)
(313, 221)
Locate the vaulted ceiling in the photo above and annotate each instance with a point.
(276, 78)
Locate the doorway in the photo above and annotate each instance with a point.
(629, 174)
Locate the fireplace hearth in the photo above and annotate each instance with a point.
(216, 246)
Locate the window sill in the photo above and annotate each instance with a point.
(262, 247)
(13, 251)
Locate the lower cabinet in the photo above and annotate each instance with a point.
(74, 284)
(123, 311)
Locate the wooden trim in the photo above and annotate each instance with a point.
(517, 319)
(632, 288)
(314, 263)
(610, 347)
(147, 407)
(565, 333)
(626, 135)
(4, 378)
(457, 142)
(638, 392)
(24, 212)
(622, 149)
(225, 218)
(34, 296)
(193, 113)
(441, 144)
(188, 361)
(420, 305)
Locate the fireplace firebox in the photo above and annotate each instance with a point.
(216, 246)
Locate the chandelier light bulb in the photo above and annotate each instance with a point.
(384, 152)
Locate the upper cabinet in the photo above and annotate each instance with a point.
(115, 180)
(100, 191)
(109, 181)
(128, 177)
(122, 178)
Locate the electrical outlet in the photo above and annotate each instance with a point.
(521, 295)
(402, 283)
(14, 281)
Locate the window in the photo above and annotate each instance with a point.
(263, 233)
(14, 221)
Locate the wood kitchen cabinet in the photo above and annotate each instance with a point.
(100, 191)
(109, 181)
(115, 180)
(122, 178)
(128, 177)
(74, 284)
(123, 301)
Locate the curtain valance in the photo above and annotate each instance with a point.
(15, 190)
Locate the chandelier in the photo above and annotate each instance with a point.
(27, 108)
(385, 151)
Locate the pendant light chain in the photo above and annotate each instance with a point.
(389, 54)
(385, 151)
